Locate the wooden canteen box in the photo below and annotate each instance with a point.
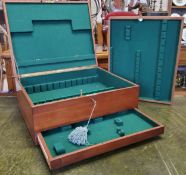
(146, 52)
(57, 77)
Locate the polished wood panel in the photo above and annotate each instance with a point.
(180, 92)
(182, 58)
(9, 74)
(99, 34)
(26, 108)
(178, 7)
(78, 109)
(27, 113)
(45, 150)
(102, 58)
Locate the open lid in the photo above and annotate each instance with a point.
(50, 36)
(146, 53)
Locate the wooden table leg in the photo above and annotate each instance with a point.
(9, 72)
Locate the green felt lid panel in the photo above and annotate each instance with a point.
(100, 130)
(47, 88)
(49, 36)
(145, 53)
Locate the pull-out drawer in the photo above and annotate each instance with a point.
(105, 134)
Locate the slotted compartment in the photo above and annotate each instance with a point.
(146, 53)
(48, 88)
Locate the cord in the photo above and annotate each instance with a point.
(94, 101)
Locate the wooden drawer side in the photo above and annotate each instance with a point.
(26, 110)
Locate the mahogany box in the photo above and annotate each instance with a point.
(57, 77)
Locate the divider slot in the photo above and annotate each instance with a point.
(60, 84)
(40, 93)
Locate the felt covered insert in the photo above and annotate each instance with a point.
(145, 53)
(100, 130)
(50, 36)
(59, 86)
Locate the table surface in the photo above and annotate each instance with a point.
(163, 155)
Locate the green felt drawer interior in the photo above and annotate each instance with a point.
(59, 86)
(101, 130)
(145, 53)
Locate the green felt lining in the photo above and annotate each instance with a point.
(56, 60)
(28, 25)
(145, 53)
(100, 130)
(59, 84)
(64, 93)
(54, 87)
(48, 36)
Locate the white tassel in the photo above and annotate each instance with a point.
(79, 135)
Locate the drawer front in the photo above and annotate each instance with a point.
(78, 109)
